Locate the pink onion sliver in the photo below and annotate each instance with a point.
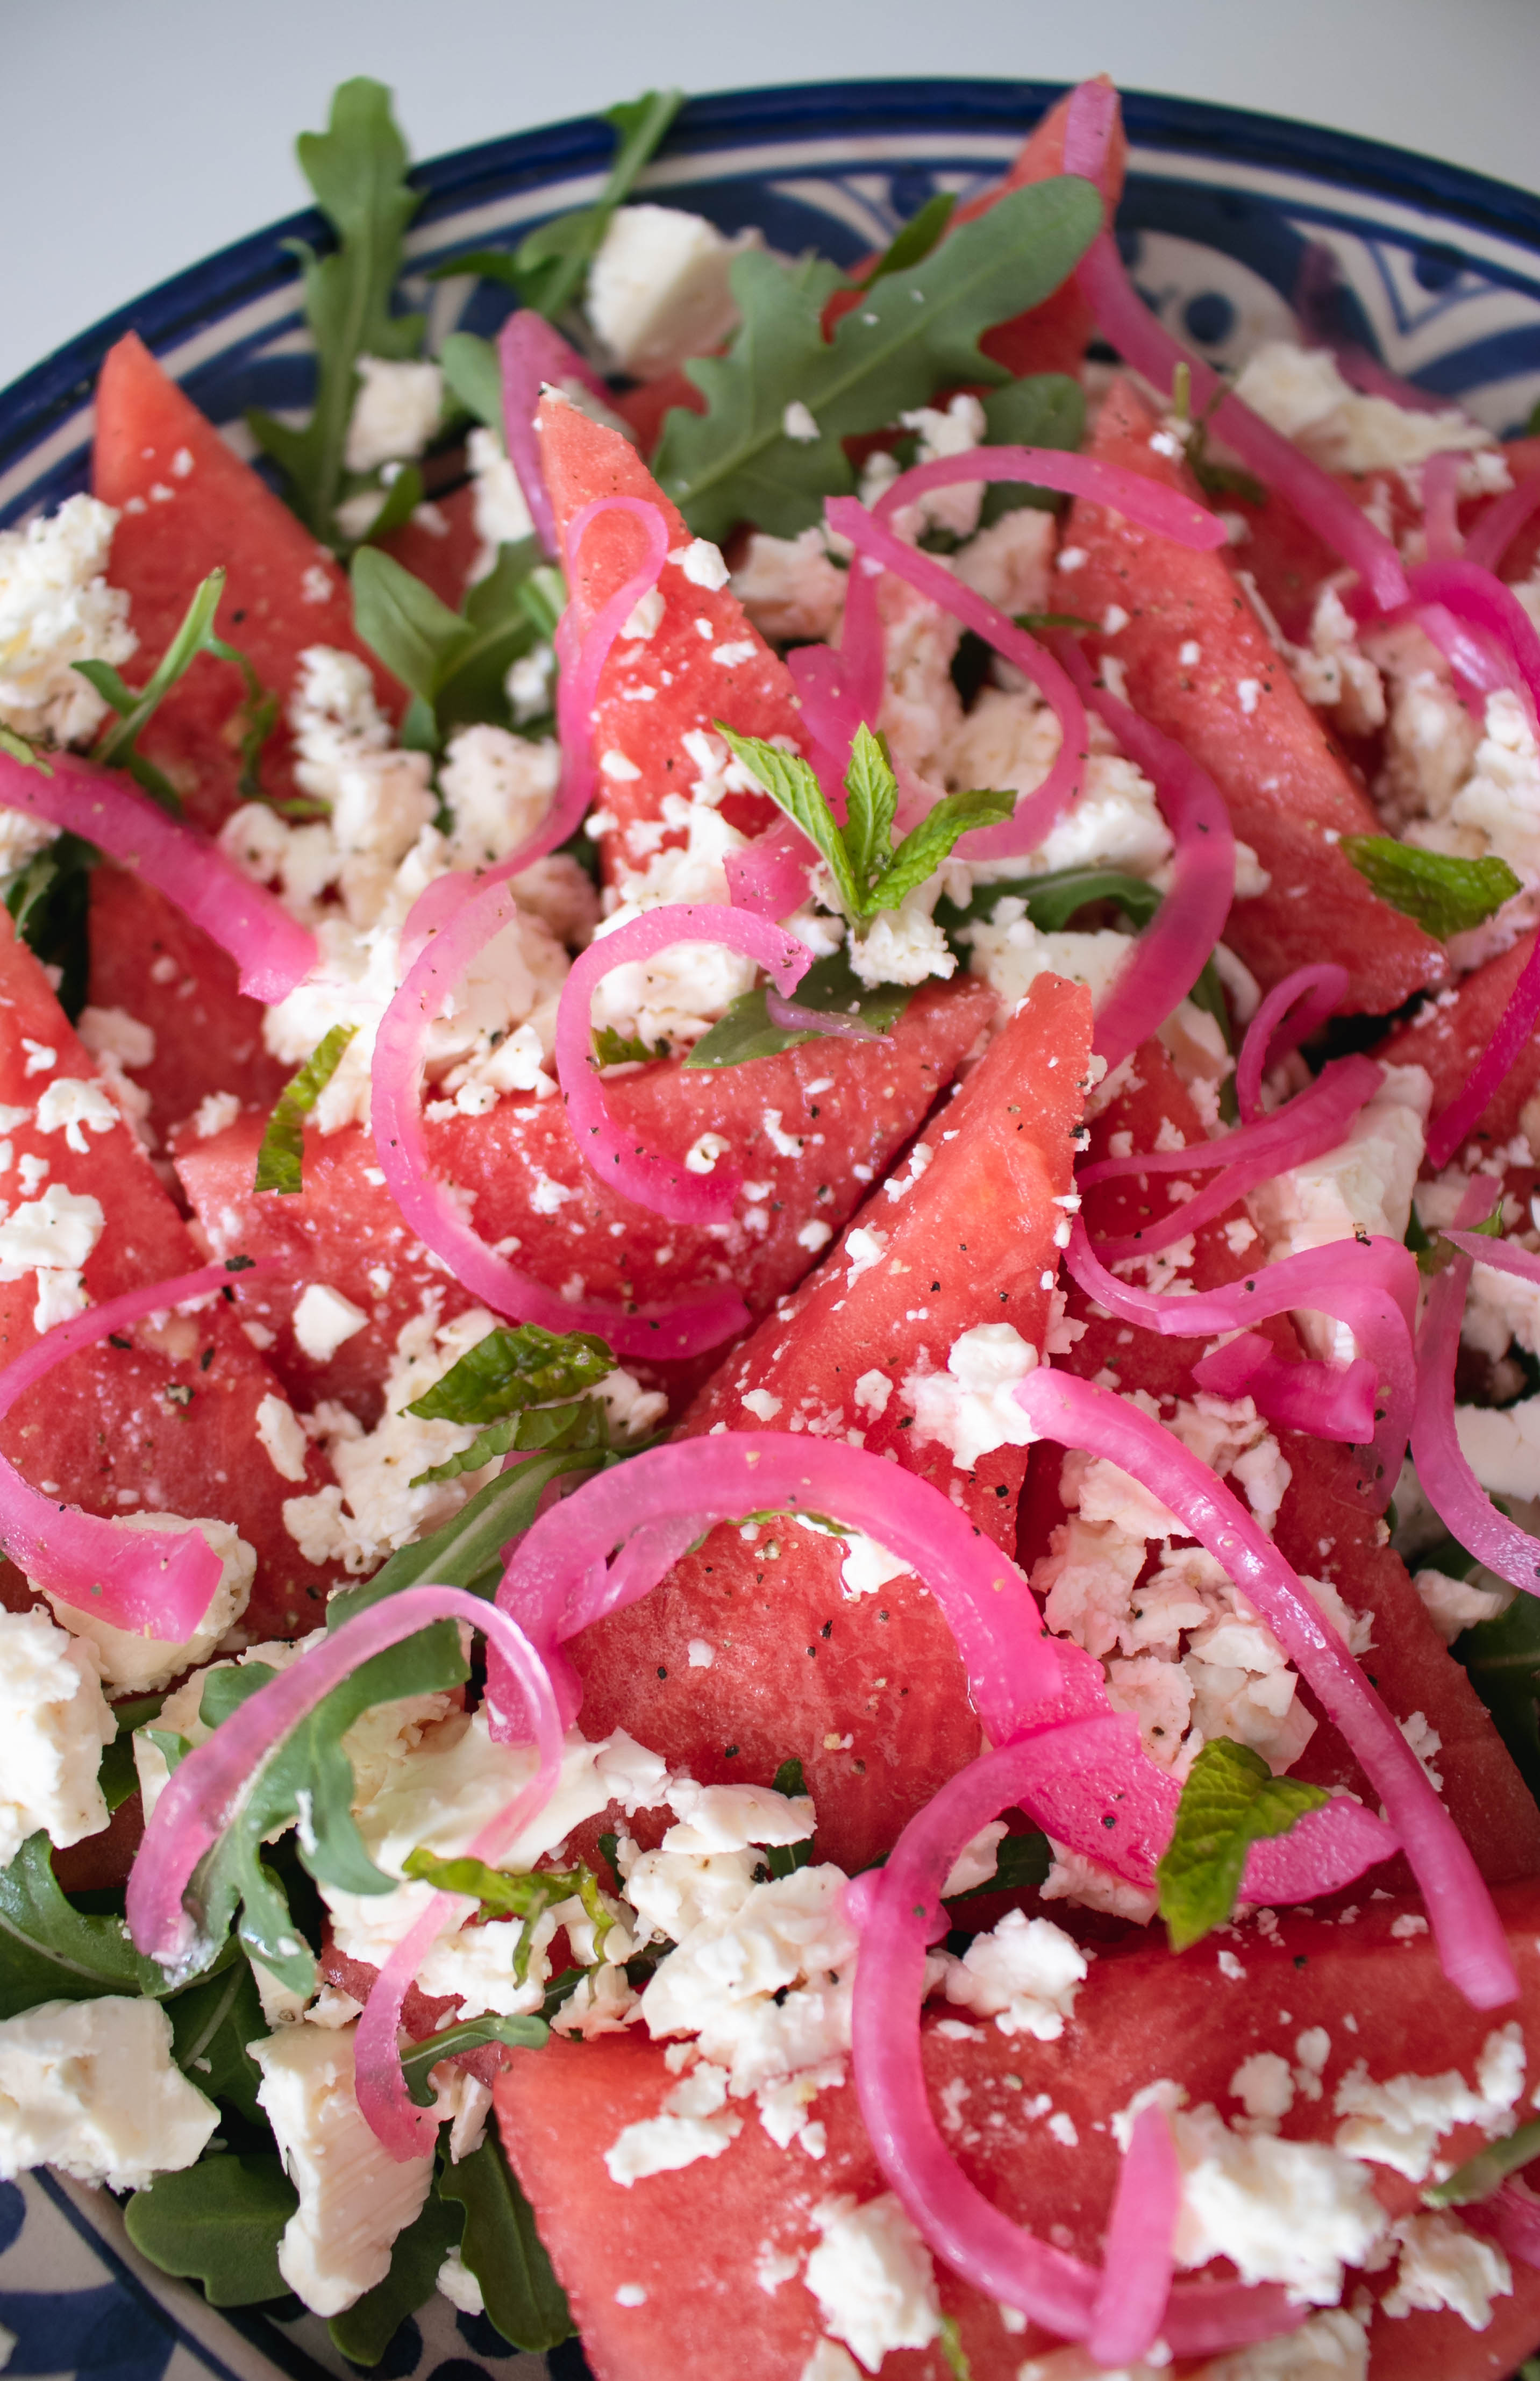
(1448, 1129)
(683, 1329)
(1312, 994)
(1472, 1947)
(532, 353)
(1138, 2264)
(1512, 2217)
(786, 1015)
(1440, 504)
(1478, 598)
(1039, 811)
(661, 1185)
(1480, 668)
(272, 950)
(1364, 372)
(1506, 1256)
(1149, 501)
(155, 1582)
(1446, 1478)
(1143, 342)
(770, 875)
(1325, 1400)
(1500, 524)
(826, 690)
(1318, 1119)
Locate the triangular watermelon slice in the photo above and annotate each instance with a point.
(189, 504)
(1200, 665)
(867, 1692)
(1450, 1034)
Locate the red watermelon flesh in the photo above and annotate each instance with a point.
(187, 505)
(852, 1105)
(868, 1693)
(1323, 1527)
(696, 2240)
(441, 549)
(149, 959)
(1285, 787)
(654, 691)
(1450, 1034)
(167, 1424)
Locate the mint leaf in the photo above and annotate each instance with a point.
(117, 748)
(744, 1029)
(614, 1049)
(1445, 895)
(468, 1551)
(915, 240)
(365, 2330)
(792, 786)
(516, 1365)
(1486, 2172)
(281, 1158)
(218, 2223)
(518, 2032)
(914, 333)
(502, 2248)
(50, 1951)
(562, 1429)
(874, 800)
(357, 169)
(1230, 1800)
(211, 2023)
(927, 845)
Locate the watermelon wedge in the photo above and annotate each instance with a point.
(810, 1128)
(1449, 1035)
(169, 1422)
(704, 660)
(867, 1690)
(189, 504)
(1233, 706)
(699, 2272)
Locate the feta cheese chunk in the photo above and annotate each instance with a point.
(658, 289)
(136, 1664)
(969, 1407)
(873, 2278)
(1301, 392)
(354, 2197)
(55, 609)
(395, 413)
(1024, 1973)
(91, 2087)
(324, 1320)
(56, 1721)
(1291, 2212)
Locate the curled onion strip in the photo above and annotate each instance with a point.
(1325, 1400)
(1500, 523)
(769, 875)
(1315, 1121)
(1472, 1947)
(1151, 503)
(1035, 816)
(1143, 342)
(1375, 1297)
(153, 1582)
(1311, 993)
(1446, 1480)
(791, 1018)
(898, 1914)
(656, 1183)
(272, 950)
(1167, 958)
(1441, 505)
(532, 354)
(1138, 2267)
(426, 1207)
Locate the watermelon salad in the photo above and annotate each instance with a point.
(770, 1300)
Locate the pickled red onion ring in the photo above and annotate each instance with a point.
(273, 951)
(1472, 1947)
(770, 874)
(1500, 523)
(1151, 503)
(683, 1329)
(1375, 1297)
(1311, 993)
(533, 354)
(656, 1183)
(1141, 341)
(153, 1582)
(896, 1914)
(1324, 1400)
(1313, 1121)
(1446, 1479)
(1138, 2264)
(1440, 504)
(1478, 599)
(791, 1018)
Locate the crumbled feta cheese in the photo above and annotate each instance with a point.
(214, 1114)
(873, 1388)
(499, 788)
(324, 1319)
(789, 587)
(694, 2124)
(1456, 1605)
(1301, 392)
(456, 2282)
(1073, 1877)
(902, 945)
(502, 515)
(1011, 739)
(940, 435)
(873, 2279)
(970, 1407)
(658, 289)
(1332, 2346)
(136, 1664)
(57, 1722)
(1291, 2212)
(1502, 1444)
(868, 1567)
(1024, 1973)
(1497, 808)
(281, 1435)
(1264, 2086)
(70, 1105)
(1443, 2263)
(55, 609)
(91, 2087)
(112, 1033)
(1400, 2122)
(395, 413)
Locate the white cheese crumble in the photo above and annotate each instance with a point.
(1400, 2122)
(324, 1320)
(281, 1435)
(1024, 1973)
(1301, 392)
(658, 289)
(789, 587)
(91, 2087)
(1291, 2212)
(502, 515)
(395, 413)
(52, 1237)
(1443, 2263)
(55, 609)
(57, 1722)
(873, 2278)
(970, 1407)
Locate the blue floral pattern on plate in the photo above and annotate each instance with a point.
(1434, 271)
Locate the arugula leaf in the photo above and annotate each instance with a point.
(514, 1366)
(502, 2248)
(454, 661)
(22, 750)
(364, 2331)
(1044, 409)
(507, 1894)
(210, 2024)
(309, 1774)
(1230, 1800)
(916, 331)
(117, 1775)
(744, 1029)
(914, 240)
(468, 1551)
(357, 169)
(1445, 895)
(50, 1951)
(789, 1780)
(413, 631)
(518, 2032)
(473, 373)
(281, 1158)
(952, 2349)
(1484, 2173)
(116, 746)
(218, 2223)
(49, 902)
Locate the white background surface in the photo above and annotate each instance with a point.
(141, 134)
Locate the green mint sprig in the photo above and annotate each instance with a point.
(1230, 1800)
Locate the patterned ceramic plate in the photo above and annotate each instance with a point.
(1225, 219)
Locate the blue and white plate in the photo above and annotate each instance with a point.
(1436, 271)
